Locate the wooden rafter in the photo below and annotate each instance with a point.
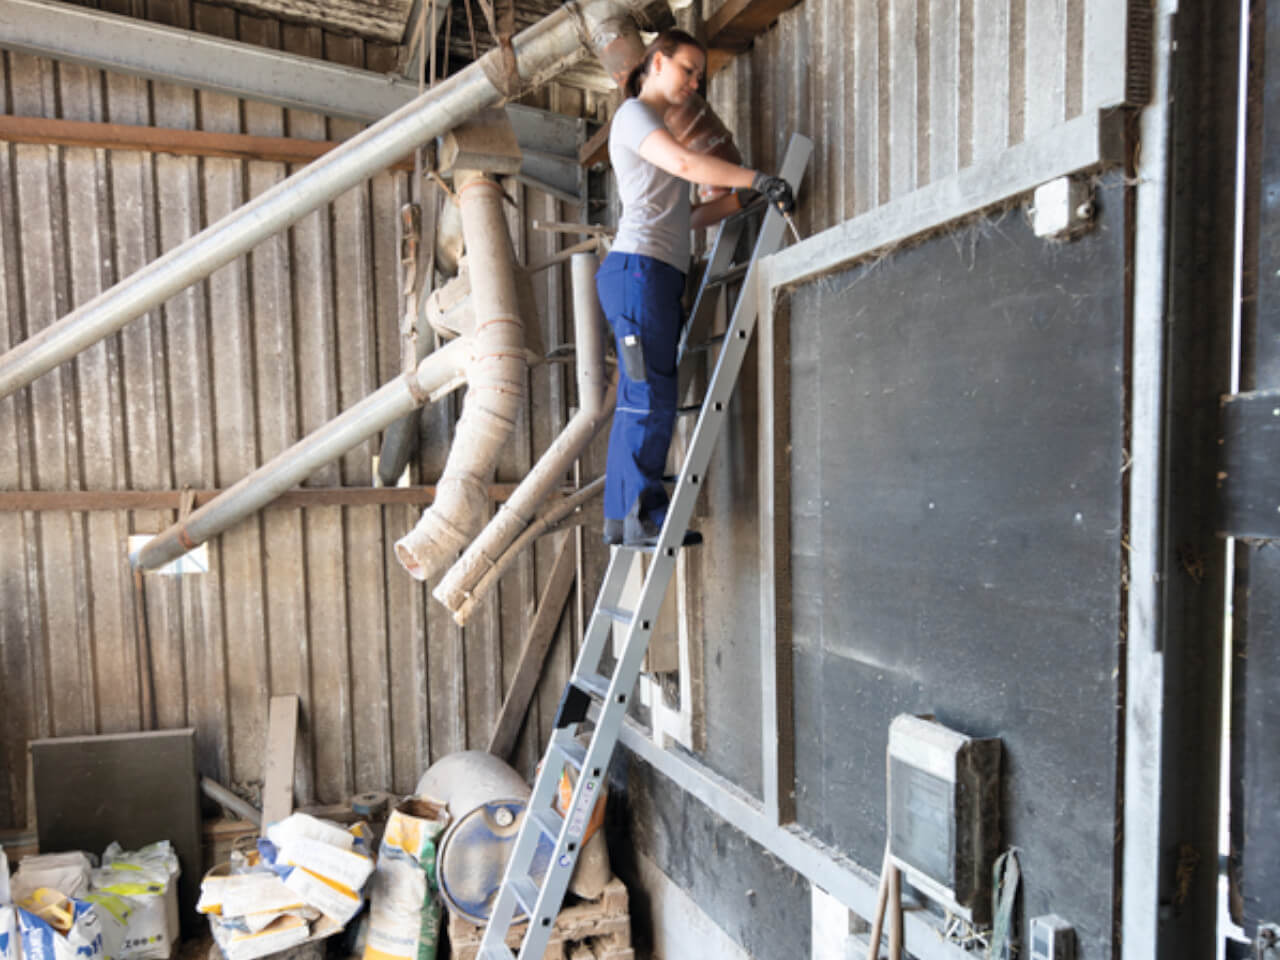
(736, 24)
(191, 143)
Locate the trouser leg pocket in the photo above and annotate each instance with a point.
(632, 356)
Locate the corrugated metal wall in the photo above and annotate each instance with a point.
(896, 94)
(198, 394)
(900, 93)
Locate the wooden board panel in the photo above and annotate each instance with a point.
(26, 713)
(904, 97)
(238, 551)
(278, 759)
(542, 630)
(864, 71)
(99, 418)
(55, 449)
(1046, 64)
(991, 77)
(944, 88)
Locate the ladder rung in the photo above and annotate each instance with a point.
(573, 752)
(733, 273)
(693, 408)
(526, 892)
(706, 344)
(547, 822)
(619, 614)
(593, 684)
(750, 210)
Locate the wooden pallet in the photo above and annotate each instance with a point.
(590, 930)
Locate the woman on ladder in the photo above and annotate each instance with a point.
(641, 281)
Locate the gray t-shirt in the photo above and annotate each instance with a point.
(655, 205)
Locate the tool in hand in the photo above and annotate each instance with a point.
(791, 223)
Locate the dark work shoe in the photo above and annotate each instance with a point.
(638, 532)
(612, 531)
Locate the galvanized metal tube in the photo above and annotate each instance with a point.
(459, 588)
(286, 470)
(540, 52)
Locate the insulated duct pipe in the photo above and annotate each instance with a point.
(518, 511)
(495, 388)
(549, 518)
(439, 370)
(541, 51)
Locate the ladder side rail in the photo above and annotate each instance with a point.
(600, 625)
(519, 863)
(603, 743)
(704, 303)
(662, 568)
(609, 719)
(728, 365)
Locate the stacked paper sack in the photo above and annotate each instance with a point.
(306, 884)
(60, 907)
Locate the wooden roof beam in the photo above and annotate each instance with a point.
(734, 26)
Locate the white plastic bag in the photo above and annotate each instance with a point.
(238, 943)
(10, 938)
(148, 879)
(83, 941)
(5, 899)
(68, 873)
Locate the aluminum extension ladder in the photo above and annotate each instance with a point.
(542, 826)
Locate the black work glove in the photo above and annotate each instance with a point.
(777, 190)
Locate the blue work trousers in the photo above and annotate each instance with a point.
(641, 298)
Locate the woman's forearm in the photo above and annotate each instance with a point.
(663, 151)
(713, 211)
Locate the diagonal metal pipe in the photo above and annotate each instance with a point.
(540, 52)
(437, 374)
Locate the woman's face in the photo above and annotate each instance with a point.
(680, 74)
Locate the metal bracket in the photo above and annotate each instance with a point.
(1062, 208)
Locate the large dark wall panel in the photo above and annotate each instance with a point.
(750, 894)
(957, 422)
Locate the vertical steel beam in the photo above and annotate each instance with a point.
(1183, 271)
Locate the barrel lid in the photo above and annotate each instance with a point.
(474, 854)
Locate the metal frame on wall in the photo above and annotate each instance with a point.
(1090, 142)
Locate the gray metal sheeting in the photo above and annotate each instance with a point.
(900, 93)
(896, 93)
(229, 373)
